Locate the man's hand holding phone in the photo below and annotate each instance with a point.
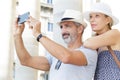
(33, 23)
(23, 18)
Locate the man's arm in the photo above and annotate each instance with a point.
(65, 55)
(23, 55)
(28, 60)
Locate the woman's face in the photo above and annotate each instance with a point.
(98, 21)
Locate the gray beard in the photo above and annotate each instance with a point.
(68, 40)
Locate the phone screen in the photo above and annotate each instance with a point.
(22, 18)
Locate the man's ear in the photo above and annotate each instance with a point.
(80, 29)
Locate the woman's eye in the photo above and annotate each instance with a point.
(97, 15)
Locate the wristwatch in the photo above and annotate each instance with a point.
(39, 36)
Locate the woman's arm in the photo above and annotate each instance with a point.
(108, 38)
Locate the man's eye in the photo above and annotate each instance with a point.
(67, 25)
(90, 16)
(61, 27)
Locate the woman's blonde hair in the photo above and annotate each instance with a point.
(110, 24)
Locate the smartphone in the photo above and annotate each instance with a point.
(22, 18)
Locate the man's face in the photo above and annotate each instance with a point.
(69, 31)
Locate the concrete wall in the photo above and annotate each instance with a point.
(7, 8)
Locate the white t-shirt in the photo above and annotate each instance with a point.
(74, 72)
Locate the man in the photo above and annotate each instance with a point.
(72, 63)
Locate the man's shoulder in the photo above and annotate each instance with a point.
(84, 48)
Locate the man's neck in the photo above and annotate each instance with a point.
(75, 45)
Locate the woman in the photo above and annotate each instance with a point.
(101, 21)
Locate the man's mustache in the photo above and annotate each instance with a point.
(65, 34)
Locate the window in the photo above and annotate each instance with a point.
(50, 27)
(49, 1)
